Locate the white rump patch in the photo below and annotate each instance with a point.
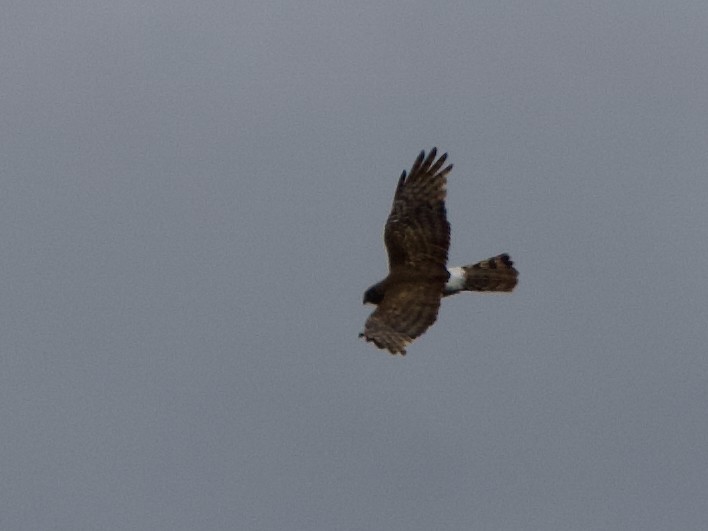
(456, 282)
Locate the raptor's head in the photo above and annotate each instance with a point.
(374, 294)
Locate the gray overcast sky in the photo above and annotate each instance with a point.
(192, 201)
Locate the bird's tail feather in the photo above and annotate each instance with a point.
(494, 274)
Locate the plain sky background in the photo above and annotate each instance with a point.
(192, 197)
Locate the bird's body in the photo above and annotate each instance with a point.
(417, 238)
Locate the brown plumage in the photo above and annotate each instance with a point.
(417, 238)
(494, 274)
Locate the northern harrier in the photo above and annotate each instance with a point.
(417, 237)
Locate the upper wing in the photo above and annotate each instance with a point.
(407, 310)
(417, 233)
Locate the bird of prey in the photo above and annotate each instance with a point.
(417, 238)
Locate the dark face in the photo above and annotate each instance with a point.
(374, 294)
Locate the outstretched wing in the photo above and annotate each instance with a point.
(417, 237)
(407, 310)
(417, 233)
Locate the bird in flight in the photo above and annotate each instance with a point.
(417, 238)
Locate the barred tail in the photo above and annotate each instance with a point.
(494, 274)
